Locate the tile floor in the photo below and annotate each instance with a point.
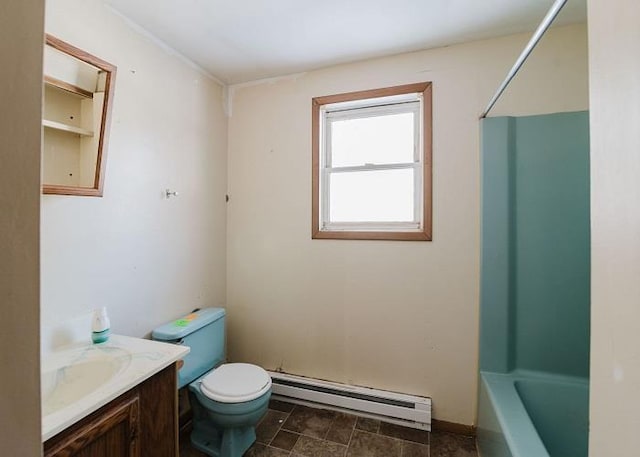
(298, 431)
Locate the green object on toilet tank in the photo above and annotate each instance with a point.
(203, 332)
(188, 324)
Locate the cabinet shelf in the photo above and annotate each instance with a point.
(66, 127)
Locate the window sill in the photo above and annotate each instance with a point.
(370, 235)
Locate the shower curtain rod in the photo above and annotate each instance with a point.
(542, 28)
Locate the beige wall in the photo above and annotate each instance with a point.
(146, 258)
(614, 40)
(401, 316)
(21, 25)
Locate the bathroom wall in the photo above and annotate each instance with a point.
(401, 316)
(20, 133)
(615, 242)
(147, 258)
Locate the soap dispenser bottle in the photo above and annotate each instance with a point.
(100, 326)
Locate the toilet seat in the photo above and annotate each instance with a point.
(236, 383)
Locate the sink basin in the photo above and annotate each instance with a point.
(79, 378)
(79, 372)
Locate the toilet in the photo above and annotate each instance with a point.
(227, 399)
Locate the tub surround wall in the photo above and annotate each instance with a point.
(400, 316)
(535, 244)
(146, 258)
(534, 312)
(21, 24)
(496, 275)
(551, 244)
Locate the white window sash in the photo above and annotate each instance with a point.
(373, 111)
(373, 226)
(410, 103)
(372, 102)
(372, 167)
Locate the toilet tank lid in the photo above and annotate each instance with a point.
(188, 324)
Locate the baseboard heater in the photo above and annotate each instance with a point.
(407, 410)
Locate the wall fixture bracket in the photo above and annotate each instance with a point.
(170, 193)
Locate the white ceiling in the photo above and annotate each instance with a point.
(244, 40)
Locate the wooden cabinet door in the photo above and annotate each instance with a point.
(159, 414)
(112, 431)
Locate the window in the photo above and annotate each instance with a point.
(371, 164)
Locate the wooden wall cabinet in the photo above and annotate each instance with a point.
(78, 96)
(142, 422)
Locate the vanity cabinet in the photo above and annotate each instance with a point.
(142, 422)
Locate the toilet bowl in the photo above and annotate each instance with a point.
(227, 399)
(227, 403)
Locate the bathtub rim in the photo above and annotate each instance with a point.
(516, 425)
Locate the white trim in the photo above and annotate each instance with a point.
(325, 145)
(401, 226)
(418, 178)
(273, 80)
(362, 112)
(164, 46)
(373, 167)
(373, 102)
(408, 410)
(230, 89)
(227, 96)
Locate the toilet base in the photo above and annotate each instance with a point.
(233, 442)
(224, 429)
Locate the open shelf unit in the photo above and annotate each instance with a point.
(71, 122)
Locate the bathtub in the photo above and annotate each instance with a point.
(532, 414)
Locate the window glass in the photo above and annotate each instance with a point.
(380, 139)
(372, 196)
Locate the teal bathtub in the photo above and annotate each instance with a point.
(533, 414)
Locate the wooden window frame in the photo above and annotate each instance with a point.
(424, 233)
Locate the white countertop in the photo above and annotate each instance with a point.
(79, 379)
